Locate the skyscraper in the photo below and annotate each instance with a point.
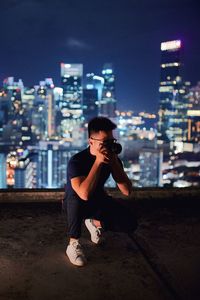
(3, 184)
(172, 123)
(92, 95)
(108, 101)
(193, 114)
(5, 109)
(25, 174)
(95, 82)
(90, 107)
(150, 161)
(52, 164)
(71, 104)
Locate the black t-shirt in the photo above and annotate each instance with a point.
(80, 165)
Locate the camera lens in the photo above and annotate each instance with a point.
(116, 148)
(112, 146)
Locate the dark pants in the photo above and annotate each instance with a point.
(112, 213)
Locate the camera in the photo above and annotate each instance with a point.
(112, 146)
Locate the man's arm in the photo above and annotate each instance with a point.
(122, 180)
(85, 186)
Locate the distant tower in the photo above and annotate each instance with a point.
(51, 113)
(52, 161)
(108, 101)
(150, 161)
(172, 111)
(194, 114)
(90, 104)
(71, 104)
(95, 82)
(3, 184)
(17, 128)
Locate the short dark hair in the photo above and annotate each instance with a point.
(100, 124)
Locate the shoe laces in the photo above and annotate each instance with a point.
(98, 231)
(78, 248)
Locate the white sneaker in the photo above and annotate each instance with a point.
(96, 232)
(75, 254)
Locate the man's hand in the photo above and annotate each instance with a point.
(113, 159)
(103, 155)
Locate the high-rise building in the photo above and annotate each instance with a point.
(107, 106)
(5, 109)
(150, 161)
(20, 169)
(193, 114)
(42, 109)
(52, 164)
(172, 124)
(39, 116)
(25, 174)
(50, 114)
(95, 82)
(92, 95)
(3, 183)
(71, 105)
(15, 128)
(90, 104)
(28, 98)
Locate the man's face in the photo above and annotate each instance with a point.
(97, 139)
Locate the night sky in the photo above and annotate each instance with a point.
(36, 35)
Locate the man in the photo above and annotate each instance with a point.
(86, 198)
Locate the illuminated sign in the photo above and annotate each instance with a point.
(171, 45)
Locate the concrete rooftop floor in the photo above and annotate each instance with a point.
(161, 260)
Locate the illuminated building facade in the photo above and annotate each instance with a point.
(95, 82)
(45, 92)
(40, 100)
(52, 164)
(71, 106)
(39, 118)
(90, 104)
(193, 114)
(193, 126)
(50, 114)
(3, 183)
(21, 169)
(150, 161)
(25, 175)
(16, 126)
(108, 102)
(172, 124)
(28, 98)
(5, 109)
(92, 95)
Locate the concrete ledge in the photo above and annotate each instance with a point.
(31, 196)
(145, 197)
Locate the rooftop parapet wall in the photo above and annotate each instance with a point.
(144, 195)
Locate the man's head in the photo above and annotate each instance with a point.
(100, 134)
(100, 124)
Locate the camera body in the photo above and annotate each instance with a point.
(112, 146)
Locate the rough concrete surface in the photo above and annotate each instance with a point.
(160, 261)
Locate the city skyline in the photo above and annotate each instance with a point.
(42, 127)
(38, 35)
